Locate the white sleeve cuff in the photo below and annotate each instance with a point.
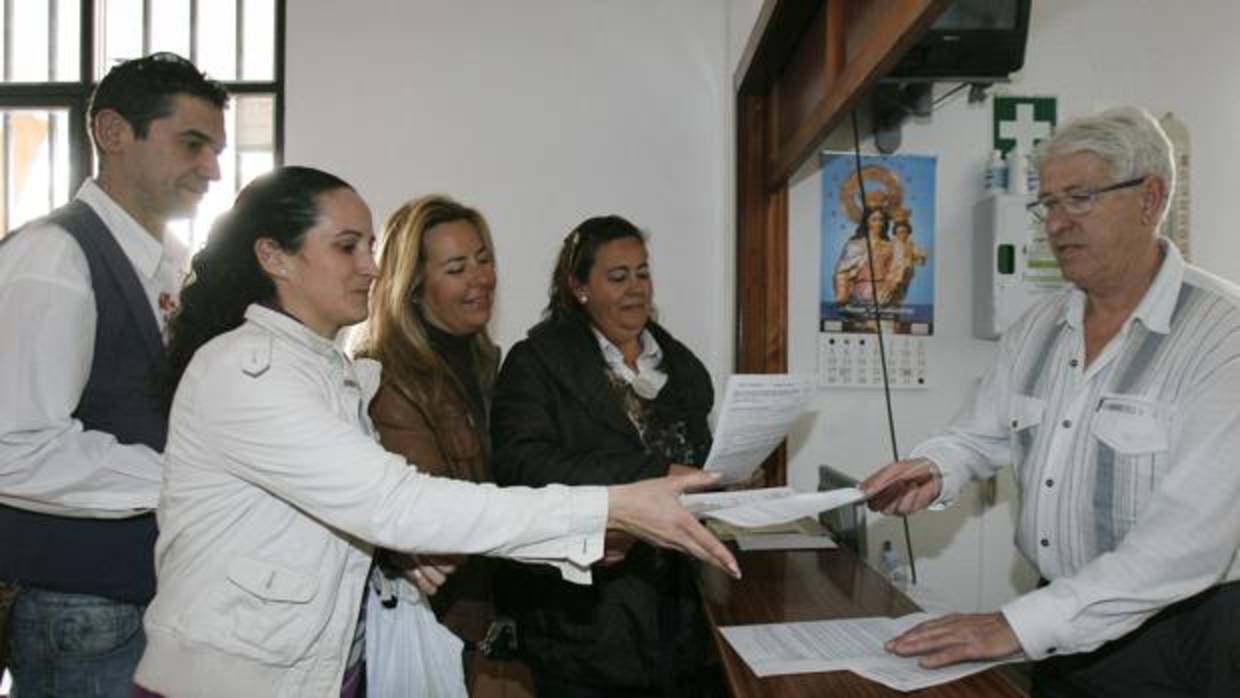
(588, 507)
(952, 478)
(582, 544)
(1035, 621)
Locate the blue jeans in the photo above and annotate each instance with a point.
(74, 645)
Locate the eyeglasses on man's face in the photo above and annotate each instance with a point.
(1075, 203)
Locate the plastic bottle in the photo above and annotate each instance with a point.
(1033, 178)
(1017, 171)
(996, 174)
(893, 567)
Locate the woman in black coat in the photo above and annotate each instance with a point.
(599, 393)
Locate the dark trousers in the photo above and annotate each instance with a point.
(706, 684)
(1191, 648)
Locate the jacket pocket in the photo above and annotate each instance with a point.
(272, 617)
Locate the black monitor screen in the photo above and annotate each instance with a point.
(979, 14)
(972, 39)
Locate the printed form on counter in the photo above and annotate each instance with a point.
(853, 644)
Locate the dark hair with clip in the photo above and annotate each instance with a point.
(576, 259)
(226, 277)
(141, 90)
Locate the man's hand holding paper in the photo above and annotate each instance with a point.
(904, 487)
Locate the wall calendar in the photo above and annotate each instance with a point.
(851, 360)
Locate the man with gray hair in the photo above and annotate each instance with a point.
(1118, 403)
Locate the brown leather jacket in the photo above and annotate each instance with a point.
(442, 439)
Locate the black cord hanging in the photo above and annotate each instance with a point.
(878, 331)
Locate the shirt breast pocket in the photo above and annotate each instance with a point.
(1131, 426)
(1133, 440)
(1024, 418)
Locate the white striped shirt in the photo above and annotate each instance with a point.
(1130, 487)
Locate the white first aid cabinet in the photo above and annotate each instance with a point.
(1013, 266)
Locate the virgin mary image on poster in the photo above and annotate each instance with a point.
(876, 250)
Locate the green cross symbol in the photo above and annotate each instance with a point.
(1023, 120)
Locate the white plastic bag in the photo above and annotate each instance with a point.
(409, 654)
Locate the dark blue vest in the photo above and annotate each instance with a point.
(111, 558)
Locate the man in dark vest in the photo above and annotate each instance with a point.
(84, 295)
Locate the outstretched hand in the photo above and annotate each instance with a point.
(959, 637)
(651, 510)
(904, 487)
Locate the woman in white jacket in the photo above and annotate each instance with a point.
(275, 491)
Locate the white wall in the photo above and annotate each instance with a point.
(742, 16)
(539, 113)
(1091, 54)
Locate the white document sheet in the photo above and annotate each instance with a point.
(785, 541)
(757, 413)
(698, 503)
(853, 644)
(907, 676)
(777, 510)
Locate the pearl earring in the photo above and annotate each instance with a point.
(582, 298)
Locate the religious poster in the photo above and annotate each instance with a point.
(877, 254)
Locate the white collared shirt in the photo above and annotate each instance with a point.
(1127, 467)
(48, 462)
(648, 379)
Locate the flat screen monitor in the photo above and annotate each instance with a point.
(973, 39)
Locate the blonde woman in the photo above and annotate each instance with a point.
(430, 308)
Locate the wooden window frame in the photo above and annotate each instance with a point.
(807, 64)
